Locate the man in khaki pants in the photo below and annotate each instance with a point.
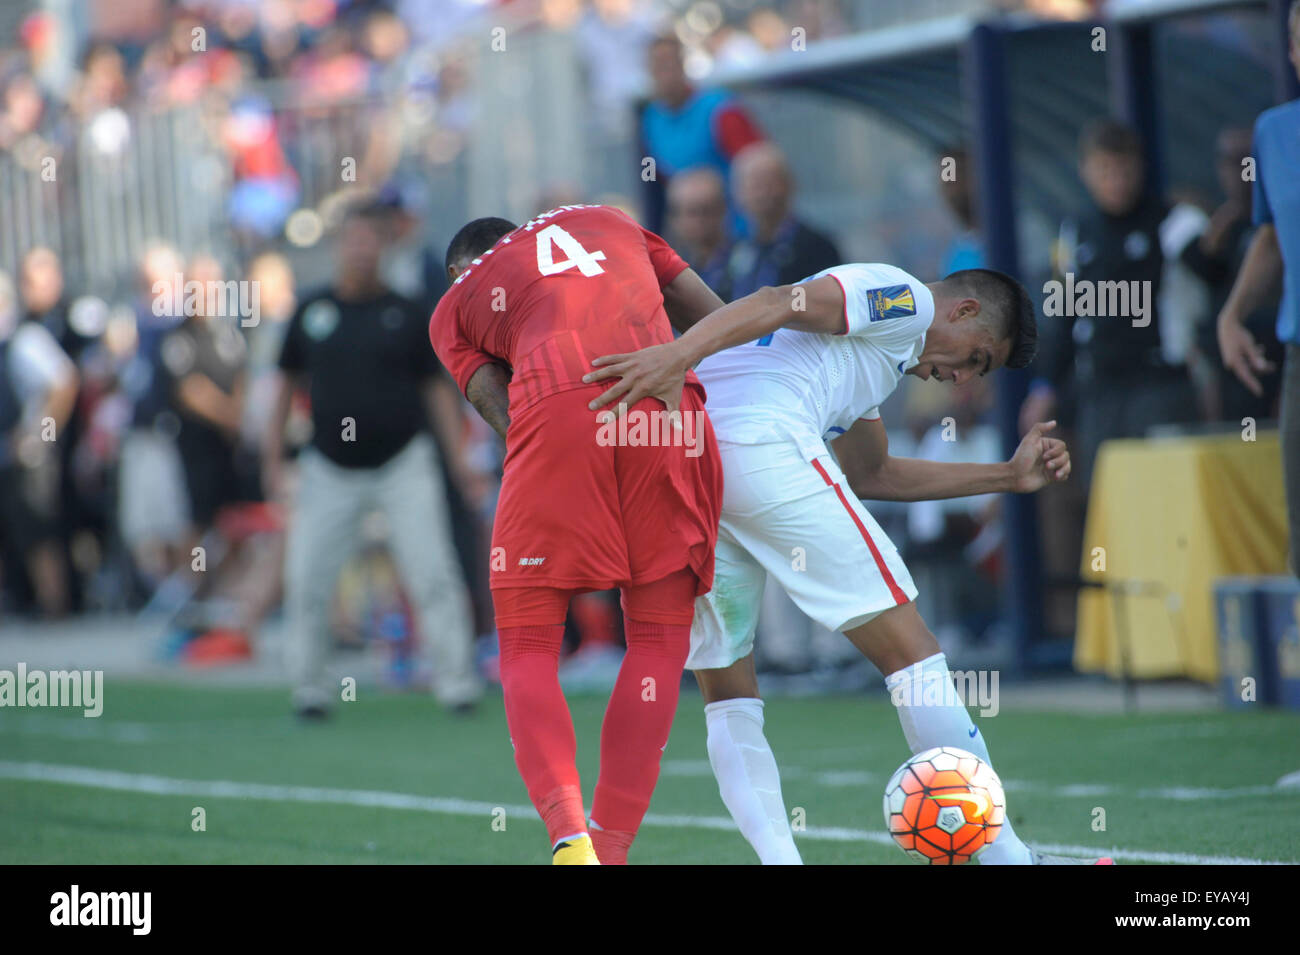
(363, 353)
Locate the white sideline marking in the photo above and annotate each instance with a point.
(851, 778)
(139, 733)
(63, 728)
(121, 731)
(228, 789)
(125, 732)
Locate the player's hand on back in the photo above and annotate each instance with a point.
(655, 372)
(1040, 460)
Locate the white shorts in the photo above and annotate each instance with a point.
(792, 516)
(152, 499)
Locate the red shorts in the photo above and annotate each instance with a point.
(586, 505)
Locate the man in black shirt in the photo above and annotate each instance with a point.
(362, 353)
(1108, 372)
(697, 221)
(204, 360)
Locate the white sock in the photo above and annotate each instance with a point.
(748, 778)
(942, 720)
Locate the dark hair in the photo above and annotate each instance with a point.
(1005, 302)
(1110, 136)
(475, 238)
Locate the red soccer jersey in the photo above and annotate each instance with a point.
(571, 285)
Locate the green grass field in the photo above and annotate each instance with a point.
(392, 779)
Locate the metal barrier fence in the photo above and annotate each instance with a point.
(531, 127)
(125, 179)
(130, 178)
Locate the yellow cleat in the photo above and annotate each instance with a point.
(575, 851)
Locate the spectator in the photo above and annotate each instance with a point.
(612, 37)
(25, 119)
(205, 357)
(175, 73)
(682, 127)
(44, 302)
(966, 251)
(152, 510)
(1274, 251)
(697, 221)
(331, 70)
(273, 277)
(780, 249)
(412, 268)
(1217, 257)
(41, 283)
(103, 84)
(375, 385)
(771, 30)
(38, 387)
(266, 186)
(1111, 367)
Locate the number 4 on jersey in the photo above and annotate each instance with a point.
(575, 254)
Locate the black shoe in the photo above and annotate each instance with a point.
(313, 713)
(468, 708)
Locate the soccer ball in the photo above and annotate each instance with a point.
(944, 805)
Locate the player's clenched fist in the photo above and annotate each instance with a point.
(1040, 460)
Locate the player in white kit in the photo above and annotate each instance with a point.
(787, 370)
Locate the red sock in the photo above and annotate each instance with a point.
(611, 845)
(541, 728)
(635, 732)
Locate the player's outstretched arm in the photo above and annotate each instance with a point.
(863, 454)
(488, 391)
(660, 370)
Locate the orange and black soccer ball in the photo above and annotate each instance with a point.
(944, 805)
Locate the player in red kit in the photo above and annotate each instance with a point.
(586, 503)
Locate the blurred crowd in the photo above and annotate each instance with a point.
(135, 420)
(273, 88)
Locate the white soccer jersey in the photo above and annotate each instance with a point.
(812, 387)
